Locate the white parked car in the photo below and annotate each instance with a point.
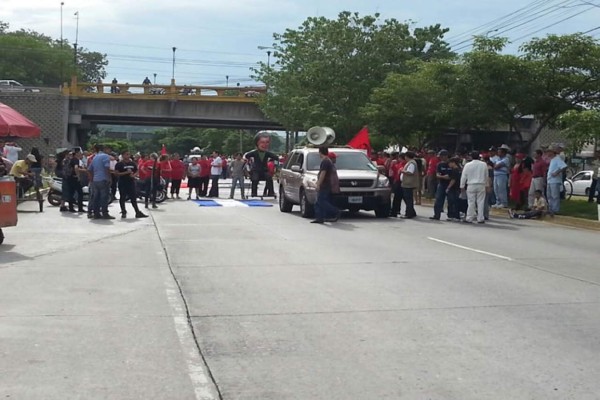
(8, 85)
(580, 183)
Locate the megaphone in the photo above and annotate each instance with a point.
(320, 135)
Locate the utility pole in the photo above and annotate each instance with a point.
(76, 41)
(173, 73)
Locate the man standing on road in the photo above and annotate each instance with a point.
(327, 183)
(442, 178)
(99, 173)
(474, 180)
(409, 181)
(501, 170)
(125, 170)
(554, 179)
(539, 171)
(216, 169)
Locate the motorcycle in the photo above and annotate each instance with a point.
(55, 191)
(161, 191)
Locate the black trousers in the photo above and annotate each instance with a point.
(150, 189)
(127, 192)
(175, 186)
(75, 193)
(214, 186)
(269, 189)
(398, 195)
(204, 185)
(408, 197)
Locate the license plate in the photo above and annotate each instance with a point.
(355, 199)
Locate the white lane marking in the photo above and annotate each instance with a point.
(470, 249)
(203, 386)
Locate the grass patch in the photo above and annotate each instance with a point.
(579, 209)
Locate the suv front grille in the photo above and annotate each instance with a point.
(356, 183)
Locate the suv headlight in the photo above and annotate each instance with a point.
(382, 181)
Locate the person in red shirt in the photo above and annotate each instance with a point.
(166, 171)
(151, 171)
(396, 187)
(177, 175)
(204, 175)
(431, 178)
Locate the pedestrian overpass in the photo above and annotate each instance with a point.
(165, 105)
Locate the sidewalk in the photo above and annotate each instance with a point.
(84, 311)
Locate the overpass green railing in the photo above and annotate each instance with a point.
(161, 92)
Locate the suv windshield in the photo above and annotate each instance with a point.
(357, 161)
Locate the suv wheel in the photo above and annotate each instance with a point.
(383, 210)
(284, 204)
(307, 210)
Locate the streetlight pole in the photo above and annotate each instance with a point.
(62, 3)
(269, 59)
(76, 40)
(173, 73)
(226, 80)
(155, 78)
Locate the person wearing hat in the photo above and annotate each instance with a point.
(21, 170)
(554, 179)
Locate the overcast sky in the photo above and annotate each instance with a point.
(216, 38)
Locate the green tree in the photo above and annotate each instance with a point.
(407, 108)
(566, 70)
(326, 69)
(581, 128)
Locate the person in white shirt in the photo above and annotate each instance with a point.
(475, 181)
(12, 150)
(216, 169)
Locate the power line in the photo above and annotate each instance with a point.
(550, 26)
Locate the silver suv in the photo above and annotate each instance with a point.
(362, 187)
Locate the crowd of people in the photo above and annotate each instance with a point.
(472, 183)
(466, 185)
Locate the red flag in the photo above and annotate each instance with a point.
(361, 141)
(163, 151)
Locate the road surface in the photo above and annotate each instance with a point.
(283, 309)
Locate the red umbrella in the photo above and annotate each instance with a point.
(12, 123)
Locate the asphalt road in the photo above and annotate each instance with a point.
(283, 309)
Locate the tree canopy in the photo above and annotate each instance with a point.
(36, 59)
(326, 69)
(485, 89)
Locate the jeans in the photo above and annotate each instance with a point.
(501, 190)
(408, 197)
(75, 189)
(237, 180)
(554, 197)
(476, 200)
(323, 207)
(101, 196)
(150, 190)
(269, 189)
(37, 177)
(440, 199)
(453, 204)
(432, 184)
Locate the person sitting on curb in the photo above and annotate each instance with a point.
(538, 210)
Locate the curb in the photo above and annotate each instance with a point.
(562, 220)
